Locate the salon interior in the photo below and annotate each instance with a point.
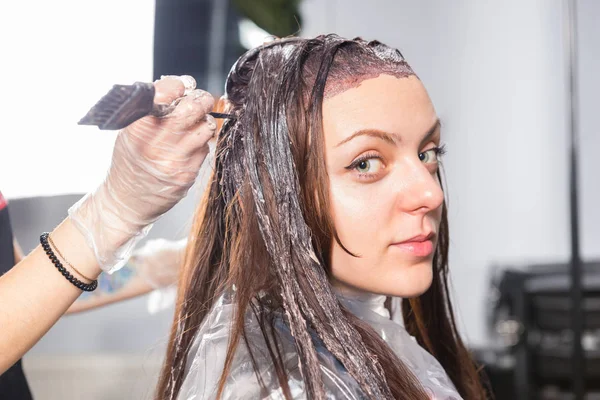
(515, 84)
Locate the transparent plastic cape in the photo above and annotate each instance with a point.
(206, 357)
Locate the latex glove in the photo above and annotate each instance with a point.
(159, 261)
(155, 161)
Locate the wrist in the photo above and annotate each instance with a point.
(72, 244)
(108, 229)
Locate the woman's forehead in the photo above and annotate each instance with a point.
(386, 103)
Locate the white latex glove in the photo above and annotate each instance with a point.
(155, 161)
(159, 261)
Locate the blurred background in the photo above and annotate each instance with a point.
(498, 75)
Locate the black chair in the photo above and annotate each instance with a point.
(530, 319)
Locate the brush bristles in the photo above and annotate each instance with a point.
(121, 106)
(108, 105)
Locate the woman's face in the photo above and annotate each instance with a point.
(382, 142)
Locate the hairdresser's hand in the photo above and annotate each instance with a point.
(159, 261)
(155, 162)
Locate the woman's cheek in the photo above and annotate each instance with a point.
(357, 211)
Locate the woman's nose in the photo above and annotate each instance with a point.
(421, 191)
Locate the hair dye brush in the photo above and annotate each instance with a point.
(125, 104)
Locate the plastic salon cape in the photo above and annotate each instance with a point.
(209, 348)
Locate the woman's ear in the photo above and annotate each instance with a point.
(223, 105)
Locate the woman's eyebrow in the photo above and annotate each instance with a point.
(392, 138)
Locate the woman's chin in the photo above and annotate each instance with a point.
(411, 281)
(405, 280)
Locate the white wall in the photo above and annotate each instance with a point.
(58, 58)
(589, 66)
(496, 72)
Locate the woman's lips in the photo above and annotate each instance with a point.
(420, 246)
(419, 249)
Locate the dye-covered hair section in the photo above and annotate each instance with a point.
(355, 62)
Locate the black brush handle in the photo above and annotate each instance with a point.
(221, 115)
(162, 110)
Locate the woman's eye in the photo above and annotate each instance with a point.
(369, 166)
(431, 155)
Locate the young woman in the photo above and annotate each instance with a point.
(326, 207)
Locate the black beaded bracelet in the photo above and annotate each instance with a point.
(87, 287)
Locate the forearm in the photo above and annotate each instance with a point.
(136, 286)
(34, 295)
(154, 266)
(17, 251)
